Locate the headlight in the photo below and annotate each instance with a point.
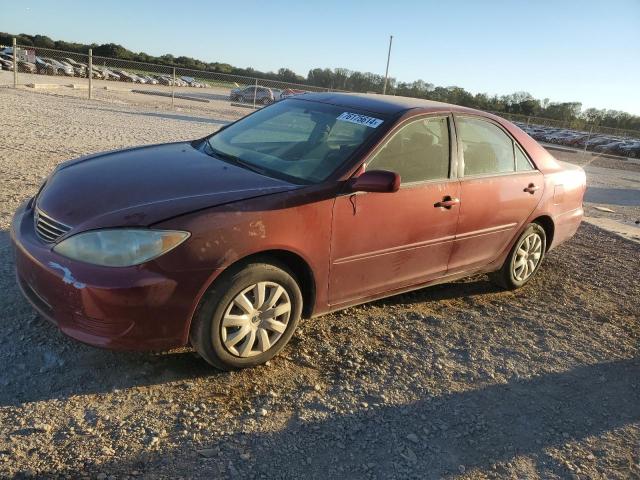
(120, 247)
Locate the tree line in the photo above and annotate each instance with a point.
(521, 103)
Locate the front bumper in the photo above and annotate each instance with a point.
(131, 308)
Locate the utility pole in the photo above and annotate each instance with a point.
(386, 73)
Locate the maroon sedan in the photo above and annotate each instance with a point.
(313, 204)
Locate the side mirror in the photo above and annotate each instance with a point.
(381, 181)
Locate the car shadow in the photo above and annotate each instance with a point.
(468, 287)
(429, 438)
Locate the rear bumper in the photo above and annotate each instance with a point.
(131, 308)
(566, 224)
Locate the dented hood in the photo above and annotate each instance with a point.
(144, 185)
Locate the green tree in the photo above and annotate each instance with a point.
(520, 102)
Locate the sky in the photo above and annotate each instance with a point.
(564, 50)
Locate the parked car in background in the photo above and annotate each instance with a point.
(80, 69)
(106, 73)
(6, 59)
(59, 68)
(6, 64)
(610, 144)
(290, 92)
(98, 74)
(164, 80)
(43, 67)
(149, 79)
(137, 78)
(593, 141)
(277, 94)
(101, 72)
(263, 95)
(75, 63)
(310, 205)
(25, 67)
(192, 82)
(77, 71)
(125, 76)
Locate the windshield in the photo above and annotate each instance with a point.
(297, 139)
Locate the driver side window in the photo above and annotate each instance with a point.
(418, 152)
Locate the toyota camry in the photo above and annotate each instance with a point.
(312, 204)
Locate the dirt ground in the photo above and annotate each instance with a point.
(461, 380)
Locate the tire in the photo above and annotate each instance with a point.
(230, 337)
(266, 101)
(530, 248)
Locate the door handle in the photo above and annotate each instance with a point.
(532, 189)
(447, 202)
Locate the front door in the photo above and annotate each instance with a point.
(499, 189)
(386, 241)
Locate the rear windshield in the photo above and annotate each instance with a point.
(296, 139)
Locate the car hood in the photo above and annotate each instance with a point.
(144, 185)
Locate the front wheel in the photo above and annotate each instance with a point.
(248, 316)
(524, 259)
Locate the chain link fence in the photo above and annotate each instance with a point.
(180, 87)
(579, 135)
(71, 70)
(574, 125)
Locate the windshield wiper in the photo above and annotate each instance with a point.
(236, 160)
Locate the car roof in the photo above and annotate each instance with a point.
(382, 104)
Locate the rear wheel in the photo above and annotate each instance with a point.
(248, 316)
(524, 259)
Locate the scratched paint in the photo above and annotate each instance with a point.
(68, 276)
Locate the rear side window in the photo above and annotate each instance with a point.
(418, 152)
(486, 148)
(522, 162)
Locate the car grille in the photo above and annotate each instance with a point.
(48, 229)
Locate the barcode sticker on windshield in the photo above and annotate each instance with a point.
(360, 119)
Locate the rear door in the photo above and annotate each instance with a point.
(499, 188)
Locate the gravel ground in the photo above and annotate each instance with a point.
(456, 381)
